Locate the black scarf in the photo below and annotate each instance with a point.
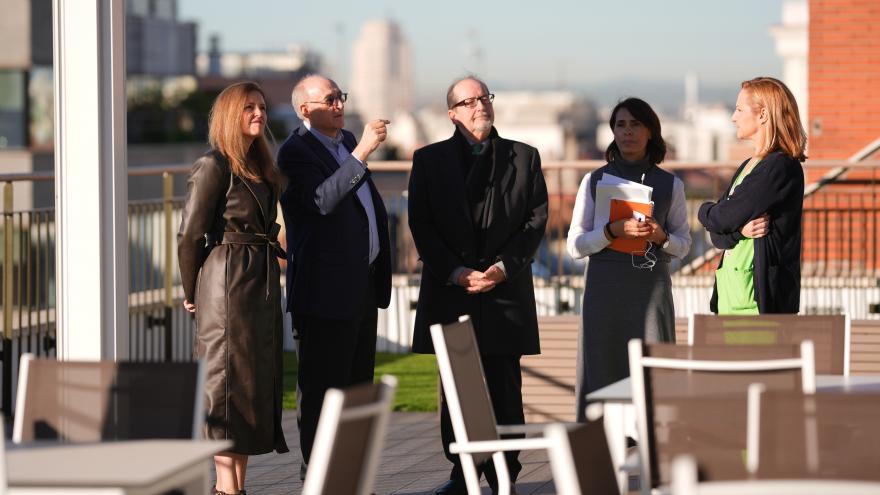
(481, 181)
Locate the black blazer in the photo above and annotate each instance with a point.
(328, 231)
(775, 186)
(504, 318)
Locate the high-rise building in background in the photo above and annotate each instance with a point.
(160, 55)
(157, 44)
(287, 64)
(381, 72)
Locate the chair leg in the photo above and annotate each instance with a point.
(471, 478)
(501, 473)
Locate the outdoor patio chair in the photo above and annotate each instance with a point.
(477, 436)
(827, 435)
(580, 461)
(349, 439)
(79, 401)
(830, 335)
(693, 400)
(578, 453)
(685, 482)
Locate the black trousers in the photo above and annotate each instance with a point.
(504, 380)
(332, 354)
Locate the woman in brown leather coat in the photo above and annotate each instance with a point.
(228, 252)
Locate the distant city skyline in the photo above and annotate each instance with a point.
(598, 48)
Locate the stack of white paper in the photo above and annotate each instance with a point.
(612, 187)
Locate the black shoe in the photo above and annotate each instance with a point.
(303, 467)
(452, 487)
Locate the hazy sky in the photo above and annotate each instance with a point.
(585, 45)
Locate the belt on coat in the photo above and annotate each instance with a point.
(270, 240)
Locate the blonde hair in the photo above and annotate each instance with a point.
(225, 134)
(783, 131)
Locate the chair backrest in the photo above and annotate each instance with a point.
(580, 460)
(826, 435)
(830, 335)
(685, 482)
(79, 401)
(693, 399)
(464, 383)
(349, 438)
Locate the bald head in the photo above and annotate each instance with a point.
(319, 101)
(310, 88)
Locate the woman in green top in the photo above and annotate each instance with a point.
(758, 220)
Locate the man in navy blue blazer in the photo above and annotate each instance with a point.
(339, 263)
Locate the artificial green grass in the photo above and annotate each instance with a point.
(416, 380)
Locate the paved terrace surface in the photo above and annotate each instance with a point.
(412, 461)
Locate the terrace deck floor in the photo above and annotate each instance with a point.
(412, 462)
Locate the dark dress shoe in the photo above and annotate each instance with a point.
(452, 487)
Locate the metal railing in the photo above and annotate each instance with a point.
(841, 240)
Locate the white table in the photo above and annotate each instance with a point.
(143, 467)
(620, 416)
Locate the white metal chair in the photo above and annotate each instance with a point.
(578, 453)
(477, 436)
(349, 439)
(684, 482)
(830, 334)
(91, 401)
(681, 393)
(580, 461)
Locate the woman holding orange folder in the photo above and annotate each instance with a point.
(628, 294)
(758, 220)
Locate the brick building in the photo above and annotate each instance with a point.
(842, 221)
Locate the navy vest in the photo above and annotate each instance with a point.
(662, 182)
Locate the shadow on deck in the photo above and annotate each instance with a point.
(412, 462)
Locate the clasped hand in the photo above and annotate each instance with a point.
(630, 228)
(756, 227)
(475, 282)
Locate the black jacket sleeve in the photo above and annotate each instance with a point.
(768, 183)
(205, 189)
(725, 241)
(308, 183)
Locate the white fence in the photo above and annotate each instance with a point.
(819, 295)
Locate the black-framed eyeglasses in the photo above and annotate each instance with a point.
(330, 100)
(472, 102)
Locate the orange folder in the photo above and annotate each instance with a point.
(622, 208)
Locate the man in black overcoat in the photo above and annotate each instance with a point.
(477, 212)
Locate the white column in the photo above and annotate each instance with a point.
(90, 179)
(792, 45)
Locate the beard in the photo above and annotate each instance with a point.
(483, 125)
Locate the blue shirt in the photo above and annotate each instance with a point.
(340, 153)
